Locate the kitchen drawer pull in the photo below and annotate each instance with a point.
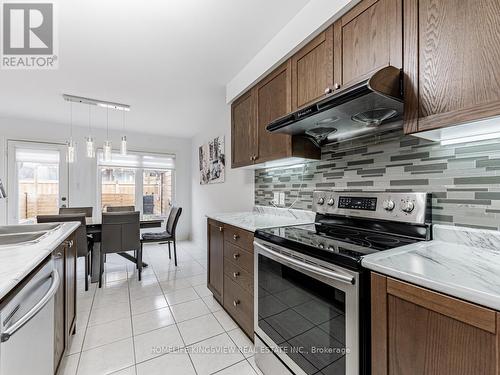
(6, 335)
(236, 274)
(236, 255)
(221, 229)
(235, 237)
(236, 302)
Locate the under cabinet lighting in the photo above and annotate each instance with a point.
(471, 138)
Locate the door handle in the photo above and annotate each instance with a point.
(6, 335)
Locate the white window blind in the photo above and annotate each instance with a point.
(137, 160)
(37, 156)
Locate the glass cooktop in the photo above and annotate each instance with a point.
(337, 244)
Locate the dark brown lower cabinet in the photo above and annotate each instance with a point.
(215, 256)
(419, 331)
(64, 257)
(230, 271)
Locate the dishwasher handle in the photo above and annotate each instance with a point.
(35, 310)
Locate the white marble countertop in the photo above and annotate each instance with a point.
(264, 217)
(461, 262)
(17, 261)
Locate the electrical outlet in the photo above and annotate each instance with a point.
(282, 199)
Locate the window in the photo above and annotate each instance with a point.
(142, 180)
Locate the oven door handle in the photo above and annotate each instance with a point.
(305, 266)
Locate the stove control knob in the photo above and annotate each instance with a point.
(331, 202)
(407, 206)
(321, 201)
(388, 205)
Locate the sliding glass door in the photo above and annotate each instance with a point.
(37, 180)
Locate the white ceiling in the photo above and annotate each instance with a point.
(169, 59)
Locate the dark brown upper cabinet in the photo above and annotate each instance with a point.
(312, 70)
(273, 97)
(243, 147)
(367, 38)
(452, 62)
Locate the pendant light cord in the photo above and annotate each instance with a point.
(71, 120)
(107, 124)
(90, 128)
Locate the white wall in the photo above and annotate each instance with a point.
(309, 22)
(82, 174)
(235, 194)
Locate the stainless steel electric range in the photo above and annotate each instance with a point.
(312, 297)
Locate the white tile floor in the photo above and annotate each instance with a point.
(168, 323)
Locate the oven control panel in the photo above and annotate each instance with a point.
(408, 207)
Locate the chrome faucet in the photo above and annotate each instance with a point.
(3, 194)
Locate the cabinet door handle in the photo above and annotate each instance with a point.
(336, 86)
(235, 237)
(236, 302)
(236, 255)
(328, 90)
(58, 256)
(69, 243)
(221, 229)
(236, 274)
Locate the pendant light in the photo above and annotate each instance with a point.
(123, 145)
(107, 143)
(70, 157)
(90, 140)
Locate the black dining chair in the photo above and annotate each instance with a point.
(83, 249)
(120, 232)
(168, 235)
(76, 210)
(120, 208)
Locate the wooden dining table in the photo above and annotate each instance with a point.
(94, 228)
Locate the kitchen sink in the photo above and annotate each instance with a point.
(28, 228)
(20, 238)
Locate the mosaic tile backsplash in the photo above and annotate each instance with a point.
(464, 179)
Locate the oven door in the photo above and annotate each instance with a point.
(306, 312)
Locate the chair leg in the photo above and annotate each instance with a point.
(87, 272)
(139, 262)
(136, 256)
(175, 254)
(101, 271)
(169, 255)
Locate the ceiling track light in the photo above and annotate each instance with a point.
(97, 102)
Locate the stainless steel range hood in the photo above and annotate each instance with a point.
(372, 106)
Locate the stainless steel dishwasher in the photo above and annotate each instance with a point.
(27, 326)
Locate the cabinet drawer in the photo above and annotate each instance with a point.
(238, 275)
(238, 256)
(239, 304)
(240, 237)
